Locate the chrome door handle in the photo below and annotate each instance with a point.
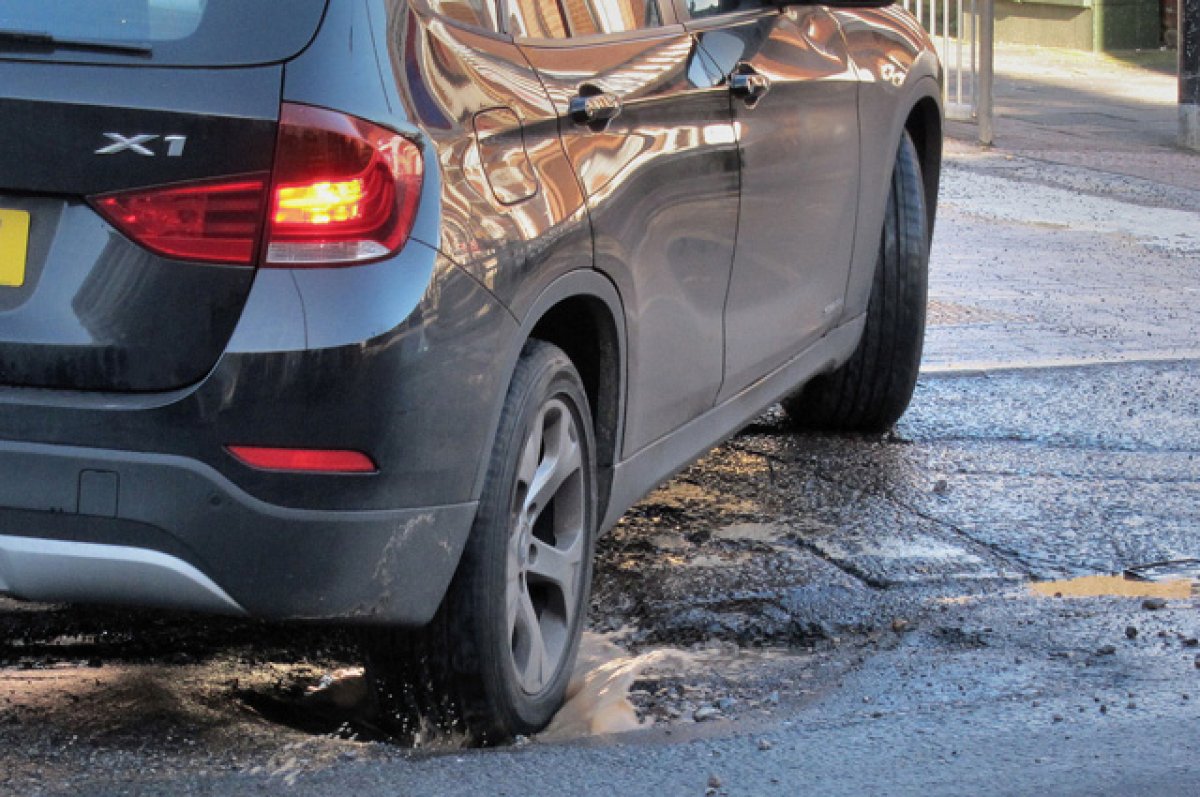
(748, 84)
(593, 107)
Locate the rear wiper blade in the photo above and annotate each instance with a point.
(38, 40)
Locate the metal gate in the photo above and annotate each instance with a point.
(962, 31)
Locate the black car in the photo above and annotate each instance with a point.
(377, 312)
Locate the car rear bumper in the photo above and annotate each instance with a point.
(105, 526)
(134, 498)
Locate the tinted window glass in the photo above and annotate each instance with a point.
(480, 13)
(184, 32)
(707, 8)
(557, 19)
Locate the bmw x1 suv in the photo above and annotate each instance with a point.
(377, 312)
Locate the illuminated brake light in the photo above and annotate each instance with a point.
(345, 190)
(304, 460)
(319, 203)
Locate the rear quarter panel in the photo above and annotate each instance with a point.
(478, 101)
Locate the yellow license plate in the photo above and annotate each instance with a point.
(14, 239)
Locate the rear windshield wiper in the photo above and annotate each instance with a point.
(44, 41)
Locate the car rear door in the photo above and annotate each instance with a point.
(794, 95)
(649, 134)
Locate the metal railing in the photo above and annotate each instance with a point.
(962, 31)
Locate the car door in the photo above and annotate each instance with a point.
(794, 96)
(649, 133)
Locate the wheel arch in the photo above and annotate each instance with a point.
(924, 126)
(581, 313)
(916, 109)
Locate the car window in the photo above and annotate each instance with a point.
(698, 9)
(175, 32)
(478, 13)
(559, 19)
(115, 21)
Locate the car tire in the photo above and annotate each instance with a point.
(871, 390)
(496, 659)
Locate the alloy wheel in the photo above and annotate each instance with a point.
(546, 547)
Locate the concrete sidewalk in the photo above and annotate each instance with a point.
(1114, 114)
(1076, 239)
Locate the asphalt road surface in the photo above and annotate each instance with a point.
(907, 614)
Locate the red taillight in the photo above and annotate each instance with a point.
(341, 191)
(344, 190)
(212, 220)
(304, 460)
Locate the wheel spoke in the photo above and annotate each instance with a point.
(512, 601)
(531, 453)
(533, 671)
(562, 458)
(558, 566)
(545, 667)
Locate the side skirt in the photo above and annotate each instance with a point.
(666, 456)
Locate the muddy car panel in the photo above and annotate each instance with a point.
(645, 246)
